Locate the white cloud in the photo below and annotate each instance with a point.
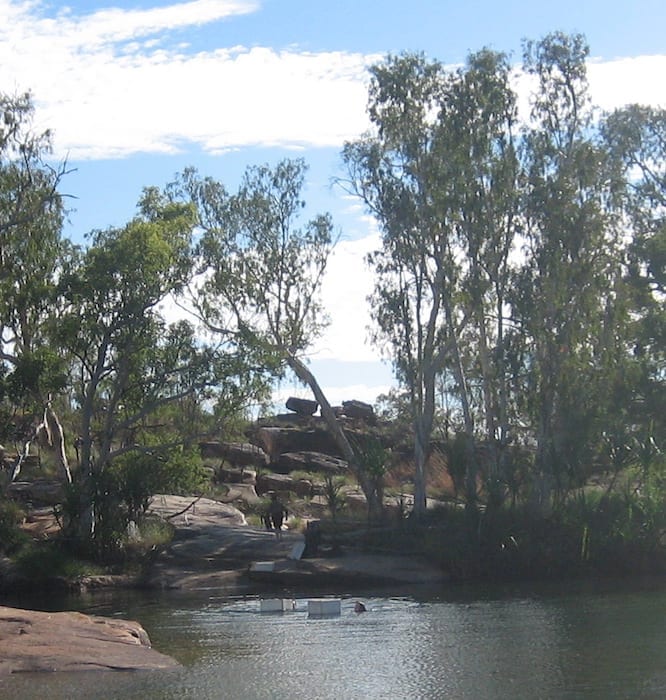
(347, 284)
(117, 82)
(628, 80)
(109, 84)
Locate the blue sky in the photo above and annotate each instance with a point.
(137, 90)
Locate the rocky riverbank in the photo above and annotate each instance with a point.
(33, 641)
(213, 546)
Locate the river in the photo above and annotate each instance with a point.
(584, 640)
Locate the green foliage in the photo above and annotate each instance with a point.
(132, 479)
(39, 562)
(12, 537)
(335, 498)
(35, 375)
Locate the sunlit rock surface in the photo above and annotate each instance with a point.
(71, 641)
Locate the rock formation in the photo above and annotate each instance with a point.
(70, 641)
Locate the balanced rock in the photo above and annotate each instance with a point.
(304, 407)
(359, 409)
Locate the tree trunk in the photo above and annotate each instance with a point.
(57, 442)
(471, 469)
(375, 507)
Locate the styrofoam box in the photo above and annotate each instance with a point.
(324, 606)
(263, 566)
(277, 605)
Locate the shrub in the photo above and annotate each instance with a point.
(12, 536)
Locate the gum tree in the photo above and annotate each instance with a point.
(32, 253)
(437, 171)
(564, 299)
(129, 363)
(261, 270)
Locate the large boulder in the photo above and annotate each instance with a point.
(278, 440)
(304, 407)
(281, 483)
(238, 454)
(309, 462)
(359, 409)
(69, 641)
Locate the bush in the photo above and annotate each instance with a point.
(41, 561)
(12, 536)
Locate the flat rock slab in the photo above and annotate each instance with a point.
(70, 641)
(185, 511)
(353, 570)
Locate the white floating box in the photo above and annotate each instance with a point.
(324, 606)
(277, 605)
(264, 567)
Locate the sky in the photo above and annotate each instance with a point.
(136, 90)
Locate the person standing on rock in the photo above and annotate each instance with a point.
(277, 513)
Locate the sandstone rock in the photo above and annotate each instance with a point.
(46, 492)
(273, 482)
(277, 440)
(242, 494)
(303, 407)
(239, 454)
(200, 511)
(283, 483)
(69, 641)
(229, 475)
(359, 409)
(311, 462)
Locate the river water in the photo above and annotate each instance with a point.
(576, 641)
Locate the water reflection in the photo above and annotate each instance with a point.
(569, 644)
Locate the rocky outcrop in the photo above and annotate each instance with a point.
(276, 440)
(69, 641)
(238, 454)
(310, 462)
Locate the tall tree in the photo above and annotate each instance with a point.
(129, 362)
(31, 256)
(566, 288)
(261, 277)
(438, 173)
(636, 139)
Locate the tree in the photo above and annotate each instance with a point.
(128, 362)
(31, 257)
(564, 297)
(438, 173)
(636, 139)
(261, 276)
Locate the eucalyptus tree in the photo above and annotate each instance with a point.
(32, 253)
(261, 271)
(564, 301)
(129, 361)
(636, 139)
(477, 146)
(438, 173)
